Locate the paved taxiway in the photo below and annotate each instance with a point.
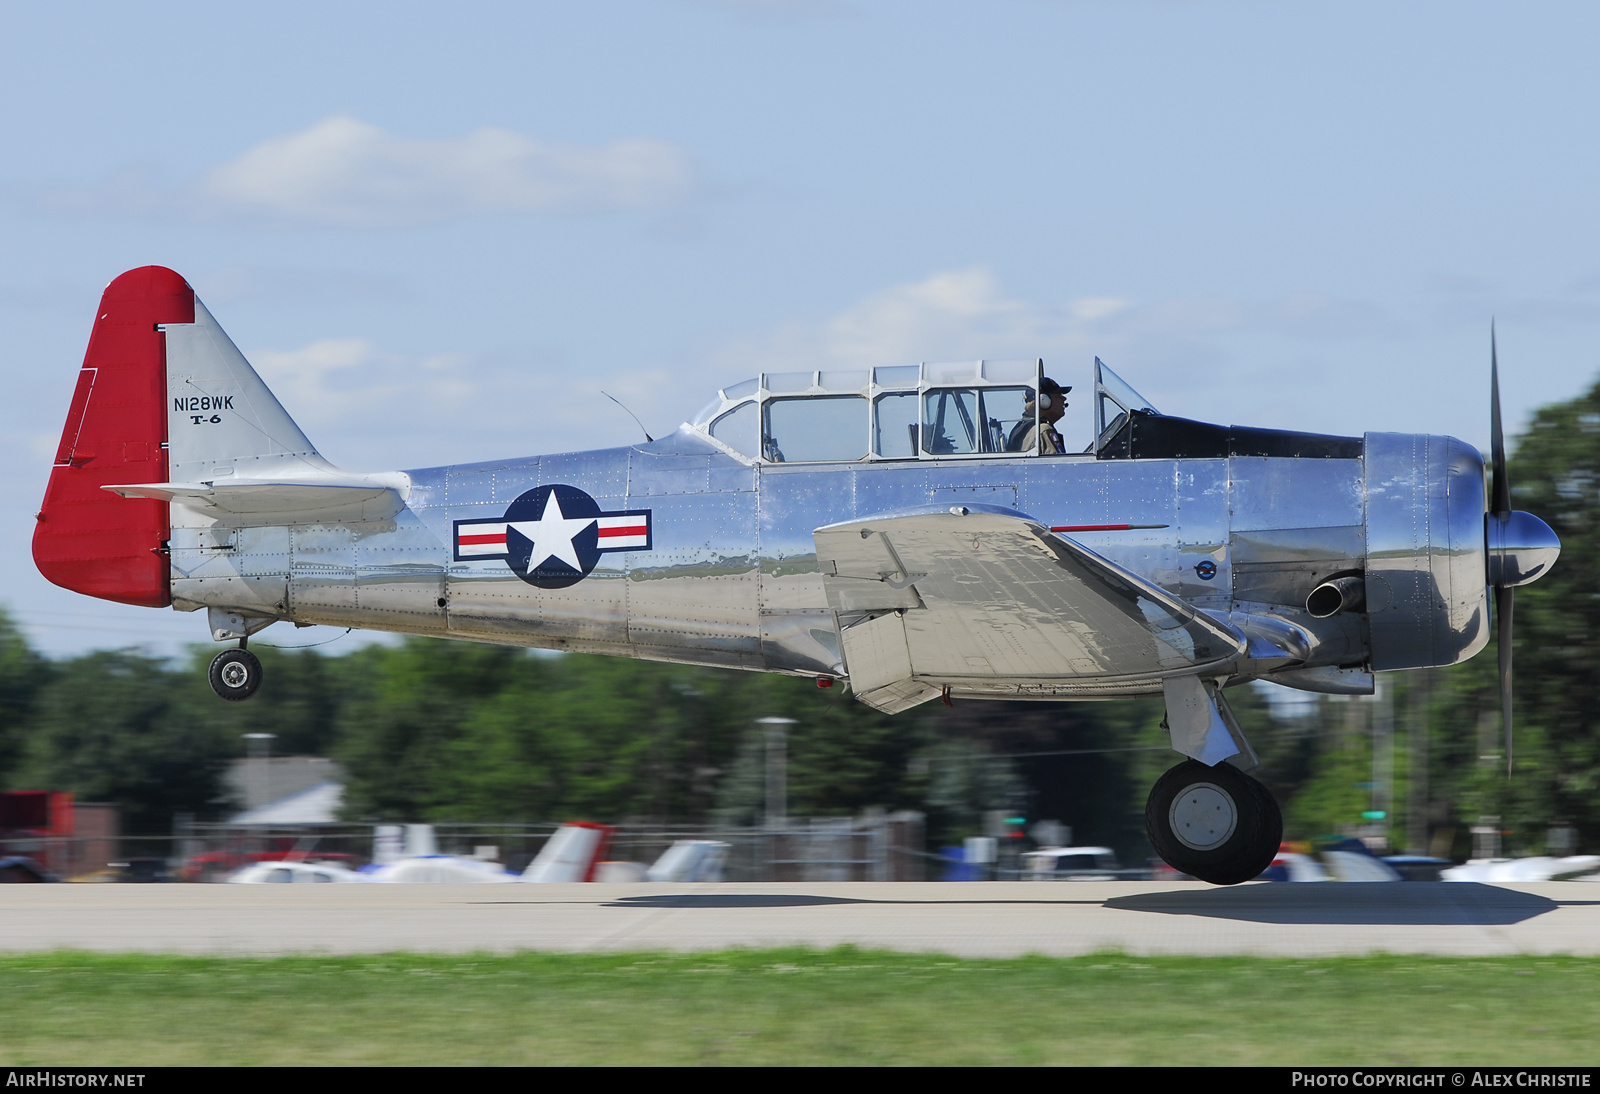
(970, 919)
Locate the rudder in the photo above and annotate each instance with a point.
(87, 539)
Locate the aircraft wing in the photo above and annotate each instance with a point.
(988, 600)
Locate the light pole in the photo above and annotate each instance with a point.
(777, 770)
(258, 785)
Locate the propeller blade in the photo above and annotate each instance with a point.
(1497, 441)
(1502, 611)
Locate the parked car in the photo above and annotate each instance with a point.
(218, 865)
(293, 873)
(20, 868)
(1071, 864)
(1295, 866)
(1534, 868)
(437, 869)
(1418, 867)
(1329, 858)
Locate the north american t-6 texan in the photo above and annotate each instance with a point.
(909, 531)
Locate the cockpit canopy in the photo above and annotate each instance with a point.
(968, 410)
(898, 412)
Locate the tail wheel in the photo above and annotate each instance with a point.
(1215, 823)
(235, 674)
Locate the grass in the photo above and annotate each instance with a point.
(795, 1006)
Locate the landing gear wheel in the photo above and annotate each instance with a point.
(1216, 823)
(235, 674)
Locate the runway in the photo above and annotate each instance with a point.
(975, 919)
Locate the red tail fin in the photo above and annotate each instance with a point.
(88, 539)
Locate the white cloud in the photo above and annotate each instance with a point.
(333, 377)
(347, 173)
(350, 382)
(1211, 358)
(958, 314)
(1097, 307)
(1254, 362)
(947, 316)
(367, 409)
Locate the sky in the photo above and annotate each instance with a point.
(440, 233)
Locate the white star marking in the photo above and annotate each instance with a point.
(552, 535)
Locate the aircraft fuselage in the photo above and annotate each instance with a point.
(730, 576)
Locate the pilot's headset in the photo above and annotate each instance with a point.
(1049, 392)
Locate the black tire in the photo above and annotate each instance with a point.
(1215, 823)
(1271, 828)
(235, 674)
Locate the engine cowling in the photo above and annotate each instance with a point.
(1427, 593)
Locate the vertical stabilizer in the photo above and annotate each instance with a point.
(221, 419)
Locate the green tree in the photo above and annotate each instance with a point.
(1555, 473)
(299, 703)
(842, 756)
(23, 672)
(111, 726)
(403, 711)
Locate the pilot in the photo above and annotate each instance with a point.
(1052, 404)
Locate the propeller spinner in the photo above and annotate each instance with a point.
(1522, 548)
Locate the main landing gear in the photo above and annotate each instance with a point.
(235, 674)
(1216, 823)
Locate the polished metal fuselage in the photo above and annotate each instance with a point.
(730, 578)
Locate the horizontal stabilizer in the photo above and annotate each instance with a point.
(260, 503)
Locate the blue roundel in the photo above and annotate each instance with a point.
(553, 536)
(1206, 569)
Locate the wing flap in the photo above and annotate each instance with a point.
(1004, 606)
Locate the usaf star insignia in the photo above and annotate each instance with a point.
(552, 536)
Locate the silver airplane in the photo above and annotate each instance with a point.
(895, 530)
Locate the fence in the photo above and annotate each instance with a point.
(875, 847)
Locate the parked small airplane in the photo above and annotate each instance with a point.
(898, 529)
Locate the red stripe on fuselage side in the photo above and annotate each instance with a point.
(473, 541)
(87, 539)
(634, 530)
(1103, 527)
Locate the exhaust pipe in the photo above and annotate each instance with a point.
(1338, 594)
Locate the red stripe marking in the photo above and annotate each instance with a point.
(1102, 527)
(634, 530)
(469, 541)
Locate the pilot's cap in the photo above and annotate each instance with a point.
(1052, 392)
